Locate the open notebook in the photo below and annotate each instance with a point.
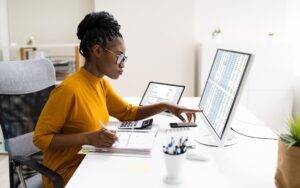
(128, 144)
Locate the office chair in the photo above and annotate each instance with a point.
(24, 90)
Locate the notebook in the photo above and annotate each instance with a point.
(128, 144)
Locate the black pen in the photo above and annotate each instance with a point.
(183, 146)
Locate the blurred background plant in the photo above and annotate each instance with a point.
(215, 32)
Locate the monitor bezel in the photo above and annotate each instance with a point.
(221, 139)
(161, 83)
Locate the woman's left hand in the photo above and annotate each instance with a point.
(179, 110)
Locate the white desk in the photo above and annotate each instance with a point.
(250, 163)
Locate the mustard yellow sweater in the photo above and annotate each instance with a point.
(75, 106)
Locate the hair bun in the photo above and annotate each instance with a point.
(96, 20)
(96, 27)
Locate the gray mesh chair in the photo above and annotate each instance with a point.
(24, 90)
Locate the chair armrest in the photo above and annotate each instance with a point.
(53, 176)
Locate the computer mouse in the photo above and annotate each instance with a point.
(196, 156)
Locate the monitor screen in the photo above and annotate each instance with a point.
(221, 90)
(161, 92)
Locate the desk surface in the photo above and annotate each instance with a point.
(249, 163)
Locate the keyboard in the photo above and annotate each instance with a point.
(141, 124)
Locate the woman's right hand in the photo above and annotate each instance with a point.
(102, 138)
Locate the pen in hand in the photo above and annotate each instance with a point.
(103, 127)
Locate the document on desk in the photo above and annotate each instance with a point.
(128, 144)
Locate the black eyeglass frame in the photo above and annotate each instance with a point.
(121, 58)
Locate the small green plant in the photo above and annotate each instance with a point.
(293, 137)
(215, 32)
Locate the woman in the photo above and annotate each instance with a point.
(71, 116)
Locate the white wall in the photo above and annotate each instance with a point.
(292, 22)
(293, 35)
(159, 36)
(296, 102)
(240, 20)
(48, 21)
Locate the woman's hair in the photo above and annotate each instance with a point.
(96, 27)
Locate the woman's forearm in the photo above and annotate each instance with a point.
(99, 138)
(150, 110)
(178, 111)
(63, 141)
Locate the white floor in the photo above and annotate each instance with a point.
(4, 177)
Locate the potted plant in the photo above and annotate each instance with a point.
(288, 163)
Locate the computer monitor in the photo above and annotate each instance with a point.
(221, 95)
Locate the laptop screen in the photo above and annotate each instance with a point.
(161, 92)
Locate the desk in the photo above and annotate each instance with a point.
(248, 164)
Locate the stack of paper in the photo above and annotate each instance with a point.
(132, 143)
(64, 66)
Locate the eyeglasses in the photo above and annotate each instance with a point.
(121, 58)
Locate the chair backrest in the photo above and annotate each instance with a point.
(24, 90)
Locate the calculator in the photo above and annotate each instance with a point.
(141, 124)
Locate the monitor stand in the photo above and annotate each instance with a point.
(207, 140)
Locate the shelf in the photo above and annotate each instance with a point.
(23, 49)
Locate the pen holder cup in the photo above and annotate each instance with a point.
(174, 164)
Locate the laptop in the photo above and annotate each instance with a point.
(155, 92)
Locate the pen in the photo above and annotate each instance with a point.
(171, 147)
(103, 127)
(183, 146)
(165, 149)
(101, 124)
